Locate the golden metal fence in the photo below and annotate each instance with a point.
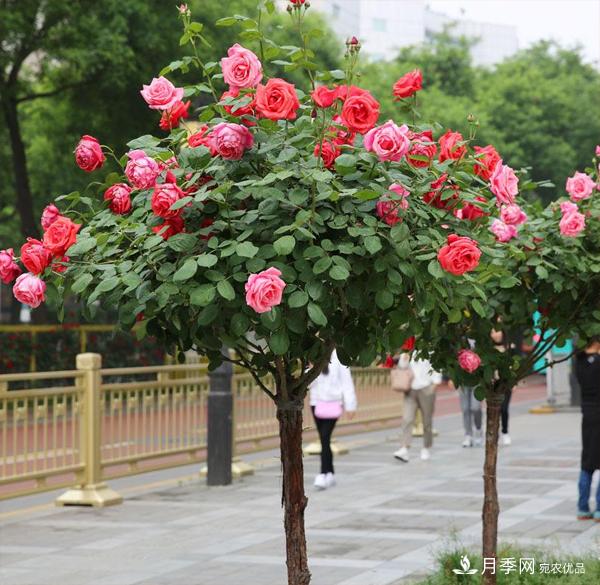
(116, 422)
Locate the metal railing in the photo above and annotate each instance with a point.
(116, 422)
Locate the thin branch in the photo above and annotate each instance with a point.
(554, 362)
(56, 91)
(282, 375)
(312, 374)
(257, 379)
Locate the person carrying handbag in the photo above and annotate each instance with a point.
(418, 382)
(331, 394)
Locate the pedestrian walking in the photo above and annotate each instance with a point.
(422, 397)
(331, 394)
(502, 345)
(472, 417)
(587, 370)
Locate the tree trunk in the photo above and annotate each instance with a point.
(293, 499)
(24, 202)
(491, 507)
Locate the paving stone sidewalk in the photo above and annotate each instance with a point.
(383, 524)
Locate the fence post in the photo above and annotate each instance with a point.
(91, 492)
(220, 426)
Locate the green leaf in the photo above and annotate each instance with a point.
(81, 283)
(316, 314)
(455, 316)
(226, 290)
(227, 21)
(182, 242)
(108, 284)
(207, 260)
(339, 273)
(322, 265)
(373, 244)
(240, 324)
(284, 245)
(82, 246)
(279, 342)
(186, 271)
(298, 299)
(246, 250)
(479, 309)
(384, 299)
(202, 295)
(435, 269)
(542, 272)
(208, 314)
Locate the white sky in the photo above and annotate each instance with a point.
(568, 21)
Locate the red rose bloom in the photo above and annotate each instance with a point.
(239, 111)
(409, 344)
(174, 225)
(200, 138)
(486, 162)
(324, 97)
(423, 145)
(360, 110)
(61, 235)
(408, 84)
(471, 211)
(170, 118)
(60, 265)
(328, 151)
(438, 187)
(450, 147)
(459, 255)
(88, 154)
(119, 199)
(35, 257)
(277, 100)
(163, 197)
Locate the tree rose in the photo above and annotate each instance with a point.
(118, 196)
(9, 269)
(360, 110)
(487, 158)
(170, 118)
(512, 214)
(264, 290)
(163, 197)
(388, 142)
(421, 145)
(324, 97)
(580, 186)
(328, 151)
(409, 84)
(450, 147)
(161, 94)
(241, 68)
(88, 154)
(468, 360)
(30, 290)
(459, 255)
(503, 232)
(504, 184)
(61, 235)
(230, 140)
(49, 215)
(141, 170)
(277, 100)
(35, 257)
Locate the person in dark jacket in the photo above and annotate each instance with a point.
(587, 369)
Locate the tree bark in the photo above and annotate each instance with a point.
(294, 500)
(491, 507)
(24, 202)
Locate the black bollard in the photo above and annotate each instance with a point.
(220, 430)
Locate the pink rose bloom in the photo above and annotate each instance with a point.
(241, 68)
(9, 270)
(468, 360)
(388, 142)
(264, 290)
(230, 140)
(503, 231)
(35, 256)
(513, 215)
(141, 170)
(580, 186)
(30, 290)
(567, 207)
(49, 215)
(598, 150)
(401, 190)
(88, 154)
(504, 184)
(118, 196)
(163, 197)
(161, 94)
(572, 224)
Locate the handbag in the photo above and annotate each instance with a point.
(402, 379)
(328, 409)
